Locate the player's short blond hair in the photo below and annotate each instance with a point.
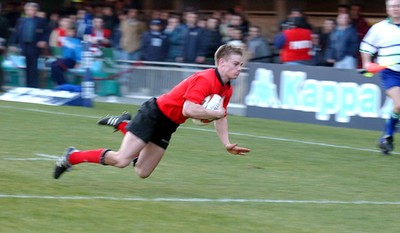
(226, 50)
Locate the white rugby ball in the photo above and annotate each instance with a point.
(211, 102)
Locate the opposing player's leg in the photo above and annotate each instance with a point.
(386, 142)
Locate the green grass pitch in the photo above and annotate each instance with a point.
(298, 178)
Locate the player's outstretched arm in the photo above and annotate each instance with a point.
(236, 150)
(221, 126)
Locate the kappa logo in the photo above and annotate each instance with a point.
(340, 99)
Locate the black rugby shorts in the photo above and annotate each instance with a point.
(151, 125)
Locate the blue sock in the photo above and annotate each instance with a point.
(391, 124)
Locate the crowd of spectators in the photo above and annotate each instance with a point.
(191, 38)
(335, 43)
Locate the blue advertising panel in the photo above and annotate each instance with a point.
(317, 95)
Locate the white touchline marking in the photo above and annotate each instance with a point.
(29, 159)
(44, 157)
(48, 156)
(197, 200)
(292, 140)
(49, 112)
(208, 130)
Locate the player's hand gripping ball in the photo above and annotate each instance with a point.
(211, 102)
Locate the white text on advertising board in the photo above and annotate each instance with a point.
(340, 99)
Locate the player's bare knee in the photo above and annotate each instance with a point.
(143, 176)
(142, 173)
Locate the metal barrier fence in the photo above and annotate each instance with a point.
(132, 79)
(147, 79)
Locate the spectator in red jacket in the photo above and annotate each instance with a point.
(60, 32)
(97, 35)
(295, 43)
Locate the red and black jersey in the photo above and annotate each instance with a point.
(195, 88)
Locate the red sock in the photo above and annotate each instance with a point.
(122, 126)
(88, 156)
